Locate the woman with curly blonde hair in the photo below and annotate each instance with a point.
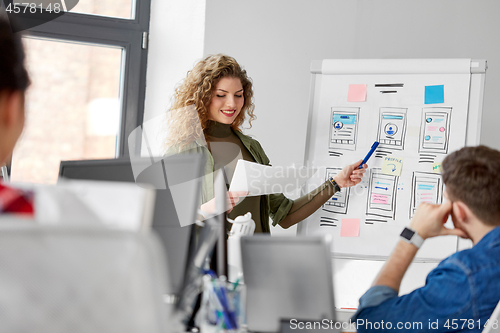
(208, 111)
(197, 90)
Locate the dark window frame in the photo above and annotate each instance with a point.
(129, 34)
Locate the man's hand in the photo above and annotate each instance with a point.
(232, 200)
(429, 221)
(350, 175)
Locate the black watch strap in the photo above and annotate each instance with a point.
(334, 184)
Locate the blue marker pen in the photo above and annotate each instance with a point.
(367, 157)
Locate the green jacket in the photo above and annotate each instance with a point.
(275, 206)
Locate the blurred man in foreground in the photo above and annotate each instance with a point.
(462, 292)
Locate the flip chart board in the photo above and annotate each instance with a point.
(419, 110)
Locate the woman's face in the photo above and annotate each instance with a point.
(227, 100)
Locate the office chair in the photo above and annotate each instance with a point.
(494, 322)
(60, 279)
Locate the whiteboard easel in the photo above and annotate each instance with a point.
(476, 68)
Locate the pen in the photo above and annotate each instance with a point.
(221, 308)
(220, 292)
(236, 283)
(208, 298)
(225, 301)
(211, 273)
(367, 157)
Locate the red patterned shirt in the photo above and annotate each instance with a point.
(16, 201)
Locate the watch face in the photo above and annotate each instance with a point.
(407, 233)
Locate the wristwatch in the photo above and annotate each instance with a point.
(411, 236)
(334, 184)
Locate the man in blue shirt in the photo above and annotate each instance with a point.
(462, 292)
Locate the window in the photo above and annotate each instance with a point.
(88, 86)
(112, 8)
(72, 107)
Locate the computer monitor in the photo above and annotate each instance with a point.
(287, 278)
(172, 222)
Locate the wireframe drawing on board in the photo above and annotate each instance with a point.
(392, 128)
(327, 221)
(340, 200)
(435, 130)
(425, 187)
(343, 129)
(381, 201)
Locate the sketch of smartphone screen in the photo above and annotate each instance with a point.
(381, 194)
(344, 128)
(435, 130)
(339, 201)
(426, 187)
(392, 128)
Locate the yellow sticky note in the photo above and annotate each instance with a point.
(436, 168)
(392, 166)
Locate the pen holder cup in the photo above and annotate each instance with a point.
(222, 307)
(237, 301)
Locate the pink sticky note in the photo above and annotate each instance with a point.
(357, 93)
(380, 199)
(349, 228)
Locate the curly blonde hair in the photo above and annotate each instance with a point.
(197, 90)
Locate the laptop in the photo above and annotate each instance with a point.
(288, 280)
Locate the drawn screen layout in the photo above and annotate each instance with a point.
(395, 114)
(425, 187)
(381, 198)
(392, 128)
(435, 130)
(344, 128)
(338, 203)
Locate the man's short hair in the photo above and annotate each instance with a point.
(13, 74)
(472, 175)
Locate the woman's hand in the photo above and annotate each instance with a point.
(232, 199)
(350, 175)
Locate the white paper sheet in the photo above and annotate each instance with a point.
(93, 203)
(258, 179)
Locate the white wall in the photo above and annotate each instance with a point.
(175, 44)
(277, 39)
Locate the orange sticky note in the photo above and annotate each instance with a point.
(357, 93)
(349, 228)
